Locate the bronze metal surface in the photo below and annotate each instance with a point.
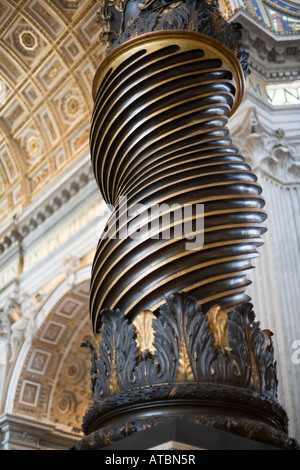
(159, 136)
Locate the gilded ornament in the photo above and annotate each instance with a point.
(128, 429)
(189, 346)
(144, 331)
(218, 318)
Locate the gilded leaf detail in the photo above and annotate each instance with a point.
(218, 317)
(144, 331)
(182, 344)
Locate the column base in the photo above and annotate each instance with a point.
(212, 369)
(179, 434)
(201, 416)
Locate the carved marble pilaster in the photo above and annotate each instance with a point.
(268, 150)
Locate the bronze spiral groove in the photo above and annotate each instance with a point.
(159, 136)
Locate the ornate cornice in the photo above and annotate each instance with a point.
(273, 57)
(22, 433)
(33, 218)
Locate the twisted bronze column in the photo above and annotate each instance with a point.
(159, 137)
(176, 336)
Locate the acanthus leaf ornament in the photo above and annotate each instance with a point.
(144, 331)
(118, 25)
(187, 363)
(186, 348)
(118, 349)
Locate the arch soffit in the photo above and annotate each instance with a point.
(51, 378)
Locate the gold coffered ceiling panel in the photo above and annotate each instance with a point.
(49, 52)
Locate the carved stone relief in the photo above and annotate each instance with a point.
(270, 151)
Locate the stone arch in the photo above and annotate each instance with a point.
(51, 378)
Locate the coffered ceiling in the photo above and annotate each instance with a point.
(49, 52)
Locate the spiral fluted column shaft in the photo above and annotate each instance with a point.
(159, 136)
